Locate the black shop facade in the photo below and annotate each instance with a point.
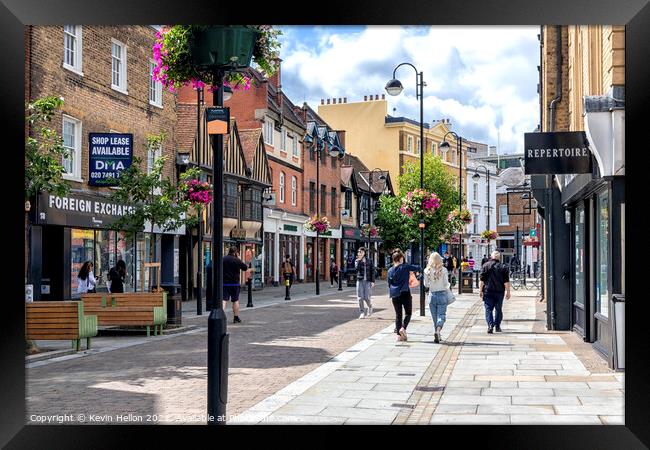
(65, 231)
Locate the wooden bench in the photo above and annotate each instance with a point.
(141, 308)
(54, 320)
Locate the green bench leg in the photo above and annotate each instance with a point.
(161, 329)
(87, 343)
(78, 344)
(148, 331)
(74, 344)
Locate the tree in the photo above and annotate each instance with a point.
(154, 199)
(399, 230)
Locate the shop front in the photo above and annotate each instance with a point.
(72, 229)
(328, 250)
(283, 236)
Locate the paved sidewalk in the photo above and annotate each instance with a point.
(519, 376)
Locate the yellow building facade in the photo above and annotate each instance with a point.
(386, 142)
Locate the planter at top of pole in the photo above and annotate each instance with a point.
(222, 46)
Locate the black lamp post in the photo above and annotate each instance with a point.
(318, 145)
(394, 87)
(382, 177)
(475, 177)
(444, 147)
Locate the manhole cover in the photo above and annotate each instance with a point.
(430, 388)
(402, 405)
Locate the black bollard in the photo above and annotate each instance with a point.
(287, 286)
(249, 285)
(340, 280)
(217, 367)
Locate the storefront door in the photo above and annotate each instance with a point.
(579, 272)
(601, 283)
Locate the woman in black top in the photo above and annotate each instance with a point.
(117, 276)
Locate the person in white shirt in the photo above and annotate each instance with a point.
(86, 280)
(436, 279)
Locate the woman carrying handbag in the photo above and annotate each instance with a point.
(436, 279)
(399, 281)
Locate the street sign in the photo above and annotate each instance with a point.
(565, 152)
(533, 232)
(218, 120)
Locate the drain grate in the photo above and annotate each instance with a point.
(402, 405)
(430, 388)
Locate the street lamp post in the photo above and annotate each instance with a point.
(476, 176)
(382, 177)
(335, 152)
(444, 147)
(394, 87)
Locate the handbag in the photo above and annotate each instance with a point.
(413, 280)
(451, 298)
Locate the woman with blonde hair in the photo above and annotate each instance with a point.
(436, 279)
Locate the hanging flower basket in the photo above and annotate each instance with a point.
(490, 235)
(369, 230)
(463, 216)
(197, 192)
(316, 224)
(187, 54)
(531, 241)
(420, 203)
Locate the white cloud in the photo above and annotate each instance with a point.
(483, 78)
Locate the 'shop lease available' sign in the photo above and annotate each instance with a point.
(110, 154)
(557, 153)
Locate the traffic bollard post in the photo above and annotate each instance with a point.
(249, 285)
(287, 286)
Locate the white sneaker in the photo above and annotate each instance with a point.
(362, 316)
(369, 312)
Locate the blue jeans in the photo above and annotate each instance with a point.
(493, 301)
(438, 307)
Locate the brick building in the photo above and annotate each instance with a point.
(104, 75)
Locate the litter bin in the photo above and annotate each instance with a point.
(351, 278)
(468, 282)
(174, 303)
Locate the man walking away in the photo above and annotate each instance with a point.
(365, 282)
(231, 287)
(288, 271)
(484, 260)
(494, 281)
(448, 263)
(334, 272)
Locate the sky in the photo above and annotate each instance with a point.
(484, 79)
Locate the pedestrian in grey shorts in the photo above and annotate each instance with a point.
(365, 282)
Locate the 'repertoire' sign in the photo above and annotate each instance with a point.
(109, 155)
(79, 210)
(557, 153)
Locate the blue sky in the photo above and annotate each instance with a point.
(484, 79)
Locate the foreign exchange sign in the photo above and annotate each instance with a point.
(109, 155)
(556, 153)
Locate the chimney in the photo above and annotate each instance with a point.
(345, 99)
(276, 79)
(383, 96)
(334, 101)
(328, 101)
(370, 98)
(376, 96)
(322, 101)
(339, 99)
(365, 98)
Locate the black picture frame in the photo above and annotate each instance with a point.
(635, 14)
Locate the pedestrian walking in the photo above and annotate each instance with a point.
(86, 282)
(494, 283)
(400, 292)
(471, 262)
(365, 282)
(484, 260)
(435, 278)
(288, 270)
(448, 262)
(231, 285)
(116, 277)
(334, 272)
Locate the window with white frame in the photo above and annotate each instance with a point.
(409, 144)
(453, 156)
(268, 130)
(503, 215)
(475, 221)
(118, 64)
(281, 187)
(153, 153)
(283, 139)
(294, 145)
(155, 87)
(475, 191)
(294, 191)
(418, 147)
(72, 48)
(433, 148)
(72, 143)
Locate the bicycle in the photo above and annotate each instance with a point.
(517, 279)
